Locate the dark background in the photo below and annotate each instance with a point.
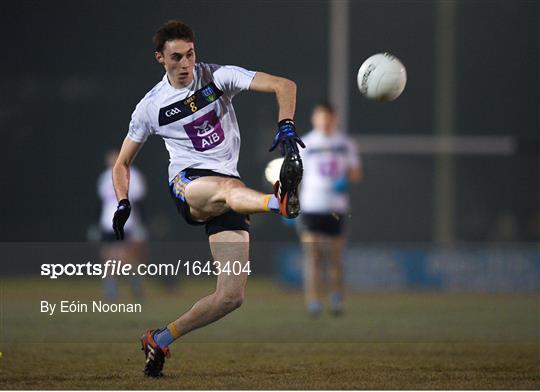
(72, 73)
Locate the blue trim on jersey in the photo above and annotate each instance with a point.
(178, 185)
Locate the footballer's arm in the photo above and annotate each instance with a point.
(120, 171)
(284, 89)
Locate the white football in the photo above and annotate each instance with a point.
(382, 77)
(271, 173)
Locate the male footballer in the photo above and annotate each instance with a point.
(191, 109)
(331, 164)
(135, 233)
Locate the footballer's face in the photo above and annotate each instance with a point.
(324, 121)
(178, 58)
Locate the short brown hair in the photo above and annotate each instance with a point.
(325, 107)
(171, 30)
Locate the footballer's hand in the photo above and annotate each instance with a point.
(120, 218)
(287, 138)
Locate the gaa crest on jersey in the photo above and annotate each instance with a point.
(205, 132)
(209, 93)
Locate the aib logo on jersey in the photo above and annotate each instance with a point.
(205, 132)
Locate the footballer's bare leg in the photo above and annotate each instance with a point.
(212, 196)
(229, 294)
(312, 272)
(337, 244)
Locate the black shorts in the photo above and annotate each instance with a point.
(230, 220)
(329, 224)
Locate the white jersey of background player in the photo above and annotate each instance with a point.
(327, 159)
(105, 189)
(212, 140)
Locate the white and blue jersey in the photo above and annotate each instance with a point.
(326, 159)
(198, 122)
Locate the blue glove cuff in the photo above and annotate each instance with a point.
(123, 204)
(287, 127)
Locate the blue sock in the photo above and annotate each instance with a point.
(314, 307)
(110, 289)
(163, 338)
(273, 203)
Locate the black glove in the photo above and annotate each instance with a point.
(287, 138)
(120, 218)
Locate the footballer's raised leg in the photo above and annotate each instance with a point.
(212, 196)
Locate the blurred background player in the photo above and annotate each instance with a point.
(133, 249)
(331, 164)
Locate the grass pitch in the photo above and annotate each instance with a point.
(384, 341)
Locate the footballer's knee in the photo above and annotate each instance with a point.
(230, 300)
(233, 193)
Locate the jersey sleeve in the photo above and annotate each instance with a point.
(353, 156)
(139, 126)
(232, 79)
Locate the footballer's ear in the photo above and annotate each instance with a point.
(159, 57)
